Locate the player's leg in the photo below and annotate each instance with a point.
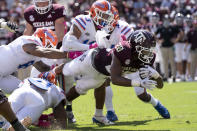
(148, 98)
(7, 112)
(99, 118)
(109, 104)
(67, 83)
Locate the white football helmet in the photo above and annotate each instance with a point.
(42, 9)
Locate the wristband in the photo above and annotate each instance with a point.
(135, 83)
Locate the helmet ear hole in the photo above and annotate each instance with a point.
(138, 48)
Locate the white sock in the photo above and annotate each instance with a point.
(98, 112)
(108, 99)
(153, 101)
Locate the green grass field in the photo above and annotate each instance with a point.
(180, 99)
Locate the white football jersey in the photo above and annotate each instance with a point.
(13, 57)
(87, 28)
(52, 96)
(88, 32)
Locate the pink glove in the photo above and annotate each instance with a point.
(94, 45)
(74, 54)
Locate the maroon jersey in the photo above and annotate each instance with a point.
(44, 20)
(101, 60)
(128, 58)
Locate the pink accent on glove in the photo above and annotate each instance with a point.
(74, 54)
(94, 45)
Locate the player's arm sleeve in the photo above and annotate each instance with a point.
(71, 42)
(126, 30)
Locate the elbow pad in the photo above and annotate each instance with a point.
(71, 43)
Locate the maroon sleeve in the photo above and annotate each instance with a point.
(27, 14)
(123, 52)
(59, 11)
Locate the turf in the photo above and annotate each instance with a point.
(180, 99)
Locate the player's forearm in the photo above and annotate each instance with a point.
(42, 67)
(159, 81)
(51, 53)
(121, 81)
(71, 43)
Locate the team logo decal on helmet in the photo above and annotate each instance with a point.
(139, 38)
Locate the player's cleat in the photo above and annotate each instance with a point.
(102, 120)
(70, 116)
(111, 116)
(162, 111)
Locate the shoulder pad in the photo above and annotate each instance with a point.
(81, 21)
(125, 28)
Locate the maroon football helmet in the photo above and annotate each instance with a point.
(143, 44)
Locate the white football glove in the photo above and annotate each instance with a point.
(145, 83)
(148, 72)
(10, 26)
(101, 39)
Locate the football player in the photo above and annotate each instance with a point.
(25, 51)
(132, 63)
(93, 68)
(36, 95)
(43, 13)
(5, 108)
(82, 36)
